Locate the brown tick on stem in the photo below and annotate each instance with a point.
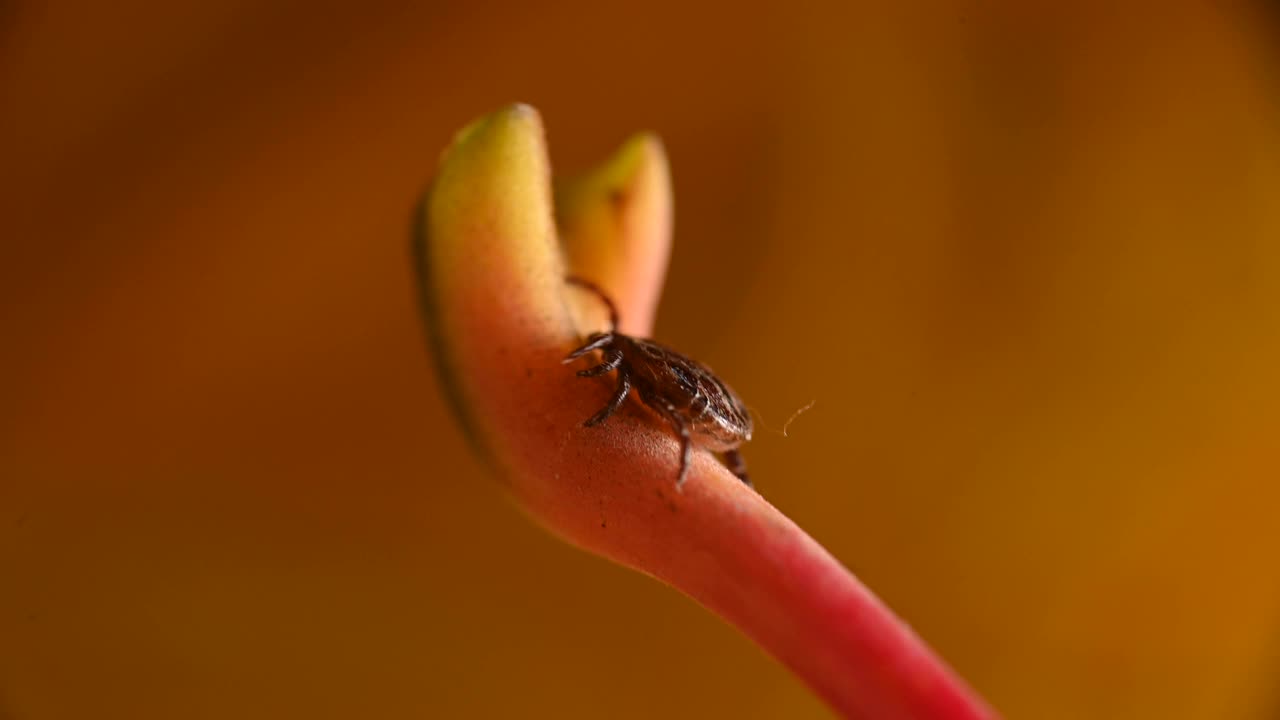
(686, 393)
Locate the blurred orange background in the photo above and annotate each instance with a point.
(1022, 257)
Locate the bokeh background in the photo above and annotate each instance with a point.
(1023, 257)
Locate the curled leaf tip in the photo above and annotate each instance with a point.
(615, 226)
(487, 258)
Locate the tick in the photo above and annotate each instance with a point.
(700, 407)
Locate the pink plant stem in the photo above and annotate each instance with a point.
(732, 551)
(793, 598)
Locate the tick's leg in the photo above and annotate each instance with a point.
(737, 466)
(664, 408)
(612, 359)
(686, 445)
(604, 298)
(594, 343)
(620, 394)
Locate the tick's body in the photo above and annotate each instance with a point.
(698, 405)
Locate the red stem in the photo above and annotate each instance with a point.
(796, 600)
